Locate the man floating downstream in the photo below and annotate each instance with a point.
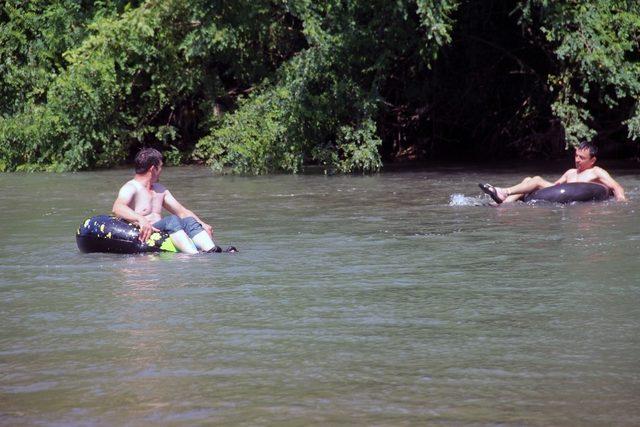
(584, 172)
(141, 200)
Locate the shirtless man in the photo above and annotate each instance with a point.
(141, 200)
(585, 171)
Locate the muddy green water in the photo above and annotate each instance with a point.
(394, 299)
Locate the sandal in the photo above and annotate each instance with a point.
(491, 191)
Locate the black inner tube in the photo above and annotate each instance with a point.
(104, 233)
(570, 192)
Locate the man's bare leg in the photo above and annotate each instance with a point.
(528, 185)
(512, 198)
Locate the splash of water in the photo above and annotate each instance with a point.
(462, 200)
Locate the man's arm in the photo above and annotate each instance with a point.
(121, 209)
(606, 179)
(172, 205)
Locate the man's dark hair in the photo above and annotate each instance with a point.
(593, 150)
(146, 158)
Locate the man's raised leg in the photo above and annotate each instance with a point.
(528, 185)
(511, 194)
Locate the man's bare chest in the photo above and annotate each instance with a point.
(584, 176)
(148, 201)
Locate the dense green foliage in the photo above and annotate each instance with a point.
(262, 86)
(597, 46)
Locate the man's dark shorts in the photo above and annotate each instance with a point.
(174, 223)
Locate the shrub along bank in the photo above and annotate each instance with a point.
(261, 86)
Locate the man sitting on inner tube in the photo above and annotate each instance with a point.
(141, 200)
(585, 171)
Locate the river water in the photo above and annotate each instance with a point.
(394, 299)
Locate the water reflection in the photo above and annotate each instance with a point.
(147, 330)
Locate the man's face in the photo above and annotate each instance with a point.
(584, 160)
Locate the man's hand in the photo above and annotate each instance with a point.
(146, 229)
(208, 229)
